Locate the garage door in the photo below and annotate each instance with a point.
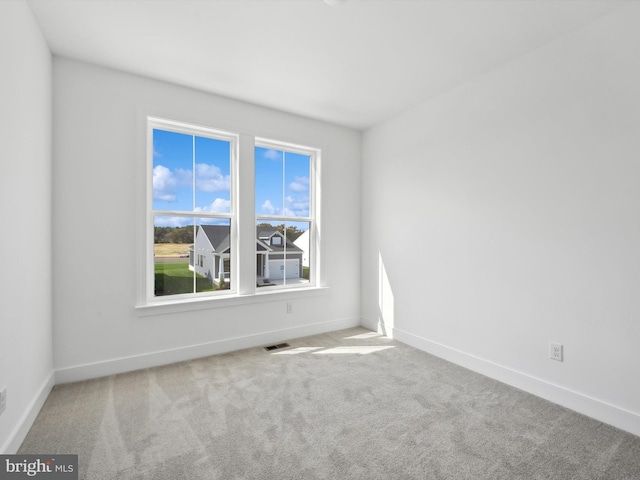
(277, 269)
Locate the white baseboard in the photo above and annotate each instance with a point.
(579, 402)
(25, 422)
(372, 325)
(154, 359)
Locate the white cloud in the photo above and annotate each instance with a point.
(296, 207)
(293, 207)
(209, 178)
(219, 205)
(268, 208)
(299, 184)
(164, 184)
(272, 154)
(184, 178)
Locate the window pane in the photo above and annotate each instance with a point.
(298, 233)
(212, 178)
(282, 258)
(172, 171)
(269, 173)
(191, 208)
(183, 265)
(296, 197)
(173, 256)
(212, 254)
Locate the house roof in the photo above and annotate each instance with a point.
(264, 233)
(218, 236)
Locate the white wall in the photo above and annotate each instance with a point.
(25, 209)
(98, 153)
(506, 214)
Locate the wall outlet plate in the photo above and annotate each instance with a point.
(555, 351)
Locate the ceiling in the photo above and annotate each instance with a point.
(354, 64)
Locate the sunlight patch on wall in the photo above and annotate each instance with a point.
(386, 319)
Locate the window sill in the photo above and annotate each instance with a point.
(193, 304)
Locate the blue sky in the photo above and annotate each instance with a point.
(282, 183)
(173, 178)
(282, 178)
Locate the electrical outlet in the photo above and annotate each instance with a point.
(289, 307)
(3, 400)
(555, 351)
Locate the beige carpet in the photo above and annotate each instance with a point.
(345, 405)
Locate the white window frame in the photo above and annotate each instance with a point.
(154, 123)
(313, 219)
(243, 289)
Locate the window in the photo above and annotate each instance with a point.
(196, 223)
(192, 210)
(285, 213)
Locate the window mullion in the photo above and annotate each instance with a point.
(246, 217)
(279, 218)
(174, 213)
(284, 209)
(316, 212)
(193, 202)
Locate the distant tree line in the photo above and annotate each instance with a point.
(173, 234)
(185, 234)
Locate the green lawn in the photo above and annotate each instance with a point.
(175, 278)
